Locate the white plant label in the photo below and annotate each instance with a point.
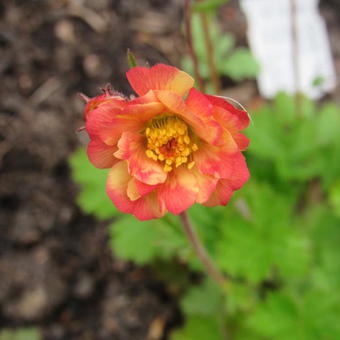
(270, 39)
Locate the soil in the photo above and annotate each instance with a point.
(56, 268)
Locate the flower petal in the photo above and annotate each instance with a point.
(104, 117)
(225, 187)
(144, 208)
(131, 147)
(159, 77)
(137, 189)
(232, 124)
(221, 195)
(241, 140)
(179, 192)
(95, 102)
(215, 161)
(108, 121)
(206, 185)
(101, 155)
(240, 173)
(204, 126)
(242, 116)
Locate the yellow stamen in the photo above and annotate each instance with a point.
(170, 142)
(191, 165)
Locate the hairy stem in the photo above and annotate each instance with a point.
(209, 47)
(188, 31)
(201, 251)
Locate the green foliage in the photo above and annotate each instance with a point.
(144, 242)
(236, 63)
(202, 300)
(199, 328)
(335, 197)
(20, 334)
(252, 248)
(208, 5)
(299, 148)
(92, 197)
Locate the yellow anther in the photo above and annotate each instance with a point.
(169, 142)
(149, 153)
(167, 168)
(191, 165)
(186, 152)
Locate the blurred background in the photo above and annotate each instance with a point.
(71, 267)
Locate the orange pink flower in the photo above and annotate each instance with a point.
(170, 147)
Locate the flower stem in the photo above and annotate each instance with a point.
(209, 47)
(201, 251)
(188, 33)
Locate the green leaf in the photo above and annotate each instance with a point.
(328, 124)
(240, 65)
(144, 242)
(208, 5)
(308, 316)
(20, 334)
(252, 247)
(241, 297)
(198, 328)
(92, 197)
(334, 196)
(204, 299)
(277, 318)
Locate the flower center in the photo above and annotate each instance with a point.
(169, 141)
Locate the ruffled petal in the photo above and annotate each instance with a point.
(95, 102)
(225, 119)
(159, 77)
(240, 173)
(225, 187)
(241, 140)
(231, 123)
(215, 161)
(101, 155)
(103, 118)
(221, 195)
(131, 146)
(206, 185)
(179, 192)
(144, 208)
(108, 121)
(205, 126)
(137, 189)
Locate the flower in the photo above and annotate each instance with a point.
(170, 147)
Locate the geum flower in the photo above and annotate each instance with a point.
(170, 147)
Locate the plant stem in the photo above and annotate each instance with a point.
(295, 58)
(209, 47)
(188, 31)
(201, 251)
